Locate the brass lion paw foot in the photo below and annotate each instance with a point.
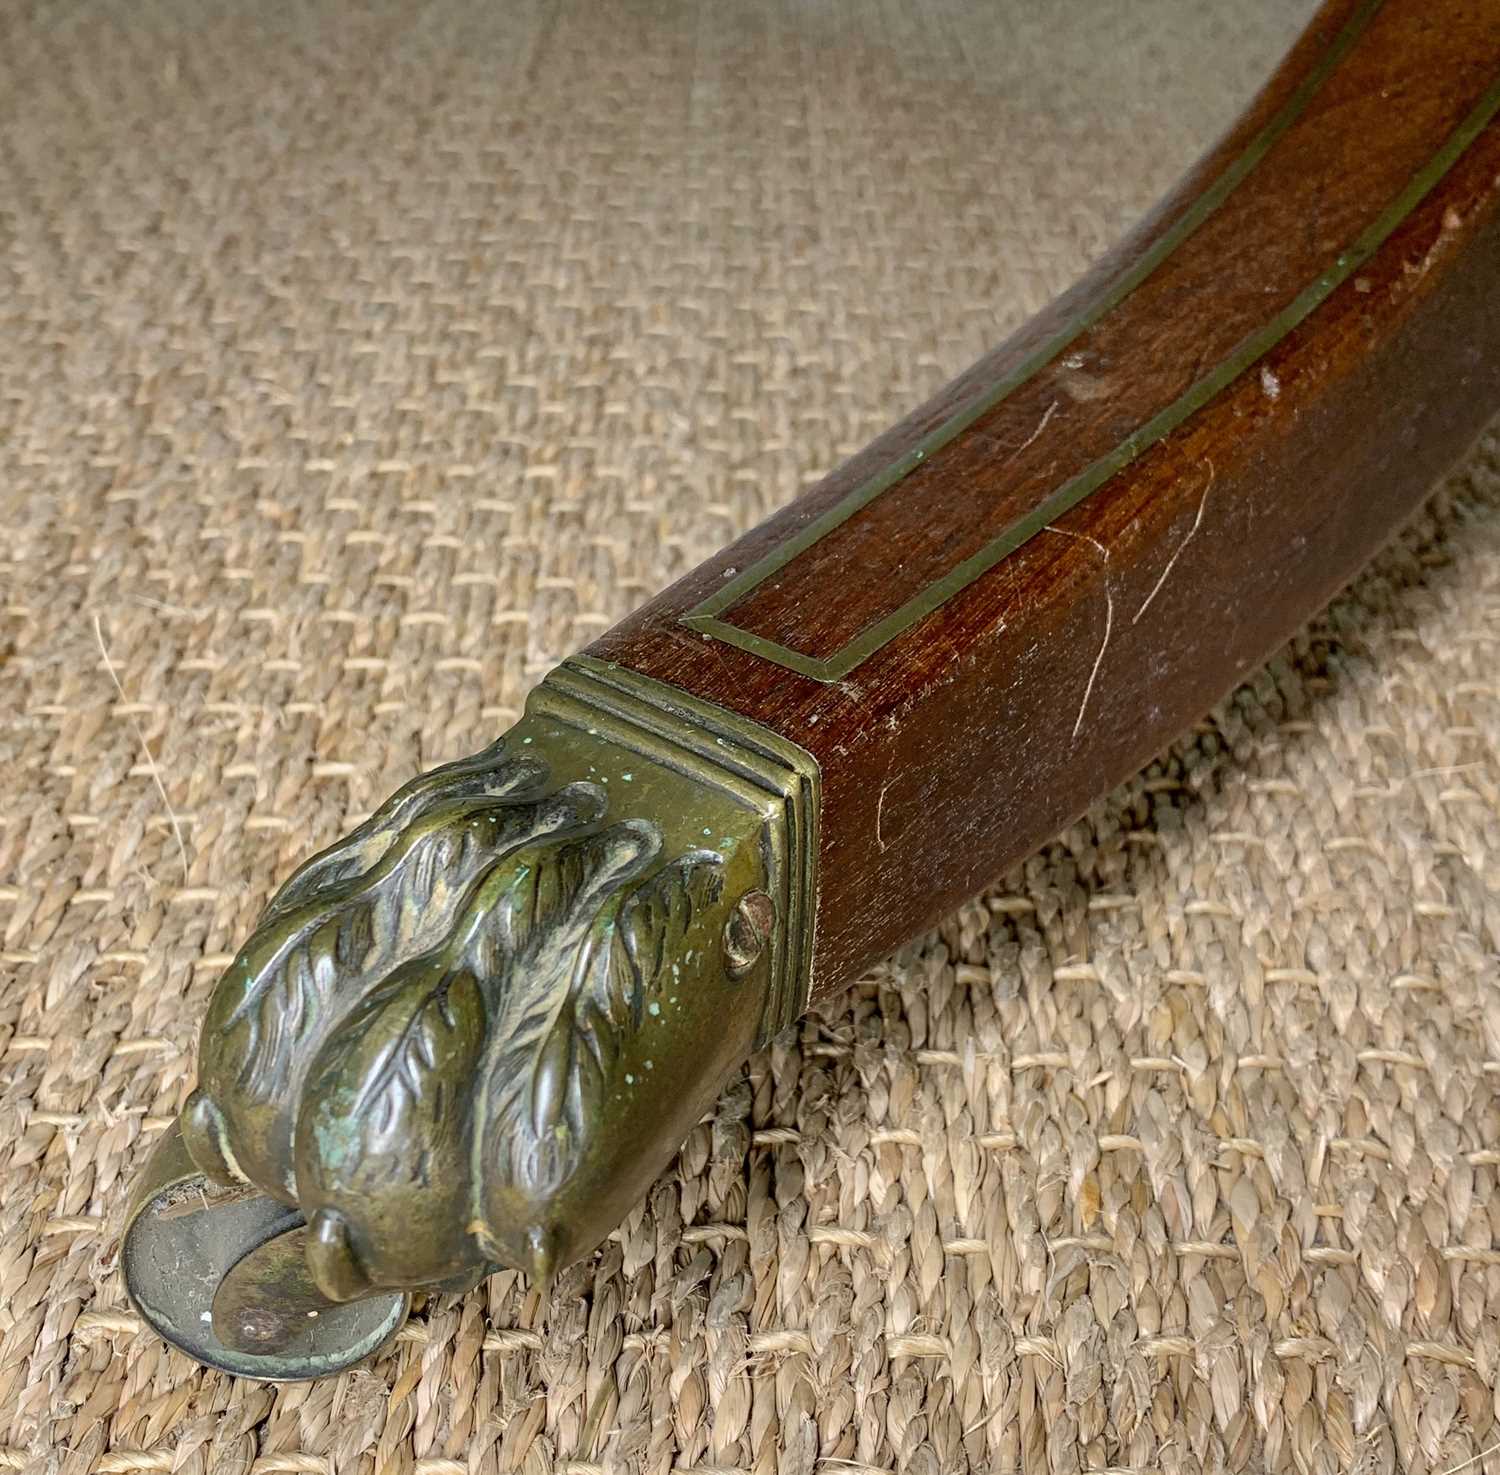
(471, 1034)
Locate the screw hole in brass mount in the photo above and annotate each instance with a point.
(747, 932)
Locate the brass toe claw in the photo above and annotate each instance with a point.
(221, 1275)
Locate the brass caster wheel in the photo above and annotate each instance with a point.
(221, 1274)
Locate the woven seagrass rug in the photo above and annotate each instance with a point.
(359, 361)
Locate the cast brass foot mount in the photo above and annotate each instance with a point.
(471, 1034)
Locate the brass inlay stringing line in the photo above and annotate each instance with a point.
(704, 616)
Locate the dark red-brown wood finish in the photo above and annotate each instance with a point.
(1014, 598)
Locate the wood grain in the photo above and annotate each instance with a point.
(1345, 292)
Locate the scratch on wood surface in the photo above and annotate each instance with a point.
(1082, 538)
(699, 645)
(1109, 623)
(1181, 547)
(161, 788)
(1088, 691)
(880, 813)
(1041, 426)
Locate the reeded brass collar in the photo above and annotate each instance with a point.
(472, 1033)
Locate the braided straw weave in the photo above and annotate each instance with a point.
(360, 360)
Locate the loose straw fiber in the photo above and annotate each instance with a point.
(360, 360)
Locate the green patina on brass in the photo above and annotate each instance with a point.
(472, 1033)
